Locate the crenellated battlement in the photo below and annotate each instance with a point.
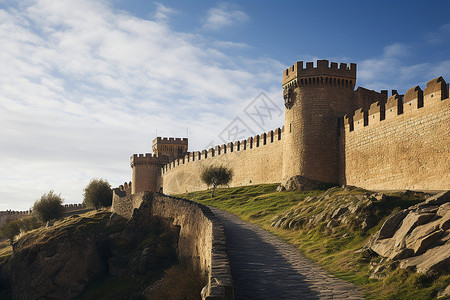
(236, 146)
(325, 72)
(15, 212)
(413, 100)
(170, 140)
(147, 158)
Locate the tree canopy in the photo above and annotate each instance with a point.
(215, 176)
(97, 194)
(48, 207)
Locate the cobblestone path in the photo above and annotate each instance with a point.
(265, 267)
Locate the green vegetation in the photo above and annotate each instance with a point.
(215, 176)
(5, 251)
(10, 230)
(49, 207)
(336, 249)
(97, 194)
(13, 228)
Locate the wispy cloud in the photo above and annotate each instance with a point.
(389, 71)
(224, 15)
(84, 86)
(440, 35)
(163, 12)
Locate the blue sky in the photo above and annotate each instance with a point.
(85, 84)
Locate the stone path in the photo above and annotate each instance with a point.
(265, 267)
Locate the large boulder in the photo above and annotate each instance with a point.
(418, 237)
(301, 183)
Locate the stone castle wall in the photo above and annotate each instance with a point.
(401, 144)
(388, 144)
(201, 240)
(256, 160)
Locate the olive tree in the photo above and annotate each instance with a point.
(14, 227)
(49, 207)
(215, 176)
(10, 229)
(97, 194)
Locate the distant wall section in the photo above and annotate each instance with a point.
(403, 143)
(257, 160)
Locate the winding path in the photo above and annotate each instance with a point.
(265, 267)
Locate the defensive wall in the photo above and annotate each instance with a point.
(201, 239)
(9, 215)
(401, 143)
(255, 160)
(331, 133)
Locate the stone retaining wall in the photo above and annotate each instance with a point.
(202, 238)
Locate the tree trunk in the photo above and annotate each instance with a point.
(213, 190)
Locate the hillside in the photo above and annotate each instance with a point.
(334, 227)
(98, 255)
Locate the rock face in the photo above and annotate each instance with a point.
(418, 237)
(60, 261)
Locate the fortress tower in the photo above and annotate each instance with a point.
(146, 169)
(170, 148)
(314, 99)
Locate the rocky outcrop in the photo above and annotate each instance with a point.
(301, 183)
(418, 237)
(348, 207)
(58, 262)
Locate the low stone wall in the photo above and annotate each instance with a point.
(201, 241)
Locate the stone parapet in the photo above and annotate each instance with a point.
(202, 238)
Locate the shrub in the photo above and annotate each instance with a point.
(214, 175)
(10, 230)
(49, 207)
(98, 193)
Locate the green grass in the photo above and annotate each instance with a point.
(335, 250)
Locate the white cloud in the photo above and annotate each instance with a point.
(228, 44)
(85, 86)
(389, 70)
(163, 12)
(223, 15)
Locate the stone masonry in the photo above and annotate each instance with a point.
(332, 133)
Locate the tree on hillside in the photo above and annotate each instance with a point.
(215, 176)
(49, 207)
(10, 229)
(98, 193)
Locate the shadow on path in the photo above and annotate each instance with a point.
(265, 267)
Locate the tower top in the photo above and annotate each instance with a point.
(323, 68)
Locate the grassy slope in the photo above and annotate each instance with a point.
(336, 251)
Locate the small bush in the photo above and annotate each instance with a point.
(10, 230)
(49, 207)
(97, 194)
(215, 176)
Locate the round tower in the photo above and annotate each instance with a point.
(146, 173)
(314, 99)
